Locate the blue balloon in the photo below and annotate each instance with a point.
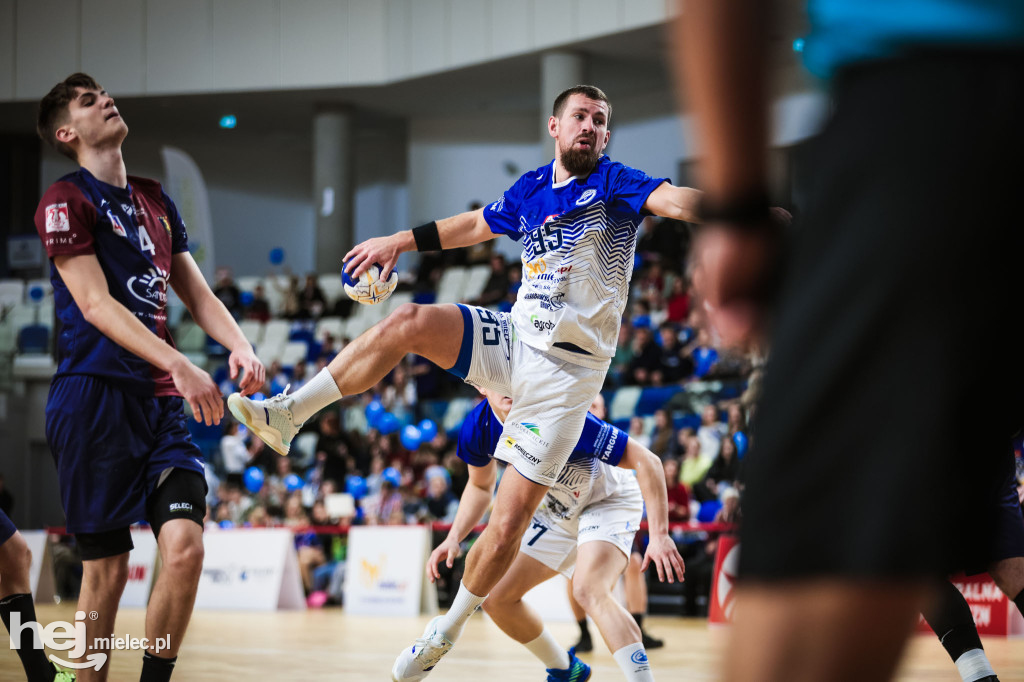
(226, 524)
(356, 486)
(388, 424)
(292, 482)
(706, 358)
(253, 478)
(411, 437)
(374, 411)
(428, 430)
(247, 297)
(276, 256)
(392, 476)
(740, 439)
(36, 293)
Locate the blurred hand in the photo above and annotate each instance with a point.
(733, 271)
(662, 552)
(244, 360)
(448, 551)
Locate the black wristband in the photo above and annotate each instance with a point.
(427, 237)
(750, 212)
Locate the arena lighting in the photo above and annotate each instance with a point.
(228, 122)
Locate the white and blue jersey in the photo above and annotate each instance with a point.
(579, 237)
(600, 449)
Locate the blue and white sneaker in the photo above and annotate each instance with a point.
(269, 419)
(416, 662)
(578, 671)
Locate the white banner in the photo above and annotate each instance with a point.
(251, 569)
(184, 184)
(386, 571)
(40, 572)
(141, 569)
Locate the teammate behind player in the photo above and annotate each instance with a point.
(16, 599)
(114, 418)
(578, 217)
(584, 530)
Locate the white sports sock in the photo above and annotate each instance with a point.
(318, 393)
(547, 649)
(463, 606)
(973, 665)
(632, 659)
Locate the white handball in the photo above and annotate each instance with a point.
(369, 288)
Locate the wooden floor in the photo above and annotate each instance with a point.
(329, 645)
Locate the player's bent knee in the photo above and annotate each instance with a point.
(185, 557)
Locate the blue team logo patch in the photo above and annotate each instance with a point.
(586, 197)
(166, 223)
(639, 657)
(115, 223)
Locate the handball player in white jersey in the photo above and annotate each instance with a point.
(577, 217)
(584, 530)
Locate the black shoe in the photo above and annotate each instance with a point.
(651, 642)
(585, 644)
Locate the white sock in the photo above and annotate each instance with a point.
(632, 659)
(973, 665)
(547, 649)
(318, 393)
(463, 606)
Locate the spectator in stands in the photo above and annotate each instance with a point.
(694, 464)
(711, 432)
(678, 497)
(496, 288)
(665, 241)
(721, 475)
(290, 306)
(618, 372)
(227, 291)
(312, 301)
(399, 397)
(646, 357)
(457, 472)
(638, 432)
(663, 434)
(675, 365)
(736, 419)
(652, 283)
(299, 374)
(256, 516)
(328, 348)
(332, 450)
(259, 308)
(730, 511)
(294, 514)
(440, 504)
(277, 378)
(235, 455)
(640, 314)
(515, 280)
(677, 305)
(385, 508)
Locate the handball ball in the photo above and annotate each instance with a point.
(369, 288)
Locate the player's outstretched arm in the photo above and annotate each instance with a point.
(88, 286)
(474, 502)
(464, 229)
(661, 549)
(213, 317)
(678, 203)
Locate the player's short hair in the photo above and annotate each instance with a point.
(588, 91)
(53, 109)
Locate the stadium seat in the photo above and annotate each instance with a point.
(293, 352)
(12, 292)
(253, 331)
(476, 280)
(451, 286)
(457, 411)
(34, 339)
(397, 300)
(190, 338)
(332, 287)
(652, 399)
(248, 283)
(335, 326)
(623, 403)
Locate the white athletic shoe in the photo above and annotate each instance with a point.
(416, 662)
(269, 419)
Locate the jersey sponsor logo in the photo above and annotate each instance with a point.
(57, 218)
(128, 209)
(639, 657)
(150, 288)
(165, 222)
(534, 269)
(609, 447)
(586, 197)
(531, 427)
(542, 325)
(181, 507)
(553, 216)
(115, 223)
(498, 205)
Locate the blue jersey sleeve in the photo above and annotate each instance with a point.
(601, 441)
(179, 235)
(631, 187)
(503, 215)
(474, 446)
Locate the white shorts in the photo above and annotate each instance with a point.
(614, 519)
(550, 396)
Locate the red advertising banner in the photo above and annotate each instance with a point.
(723, 580)
(994, 614)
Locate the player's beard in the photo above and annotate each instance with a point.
(579, 162)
